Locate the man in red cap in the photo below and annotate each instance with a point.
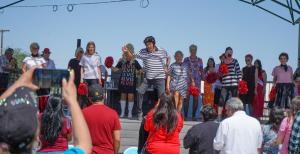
(50, 62)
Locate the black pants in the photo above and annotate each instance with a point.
(217, 96)
(91, 81)
(284, 95)
(226, 93)
(143, 135)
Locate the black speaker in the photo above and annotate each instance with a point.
(78, 43)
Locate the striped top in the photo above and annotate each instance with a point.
(153, 62)
(179, 74)
(179, 71)
(234, 74)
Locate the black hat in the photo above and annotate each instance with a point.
(18, 119)
(95, 92)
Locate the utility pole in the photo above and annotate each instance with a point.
(2, 31)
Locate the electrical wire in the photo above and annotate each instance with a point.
(11, 4)
(143, 4)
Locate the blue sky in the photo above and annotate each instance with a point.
(211, 24)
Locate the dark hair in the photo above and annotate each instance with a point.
(249, 55)
(275, 118)
(283, 54)
(9, 50)
(222, 55)
(228, 48)
(208, 113)
(259, 65)
(165, 115)
(149, 39)
(52, 119)
(178, 52)
(207, 66)
(193, 47)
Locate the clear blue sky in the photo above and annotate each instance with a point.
(211, 24)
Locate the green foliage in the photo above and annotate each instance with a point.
(19, 55)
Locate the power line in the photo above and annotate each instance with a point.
(11, 4)
(70, 6)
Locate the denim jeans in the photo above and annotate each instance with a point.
(248, 109)
(158, 84)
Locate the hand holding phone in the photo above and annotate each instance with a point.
(47, 78)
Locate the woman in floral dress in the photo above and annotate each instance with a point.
(195, 66)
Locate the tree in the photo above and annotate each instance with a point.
(19, 55)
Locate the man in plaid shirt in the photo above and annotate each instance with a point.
(294, 143)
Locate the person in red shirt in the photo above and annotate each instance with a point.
(103, 123)
(164, 124)
(55, 129)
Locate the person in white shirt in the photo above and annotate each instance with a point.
(90, 65)
(50, 62)
(34, 59)
(240, 133)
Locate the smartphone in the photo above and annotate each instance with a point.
(47, 78)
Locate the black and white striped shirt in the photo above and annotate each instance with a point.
(234, 74)
(153, 62)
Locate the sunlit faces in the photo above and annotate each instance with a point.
(193, 52)
(228, 53)
(46, 55)
(34, 50)
(178, 57)
(150, 46)
(248, 60)
(283, 60)
(210, 63)
(79, 55)
(91, 49)
(128, 56)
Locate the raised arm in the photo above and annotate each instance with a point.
(82, 137)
